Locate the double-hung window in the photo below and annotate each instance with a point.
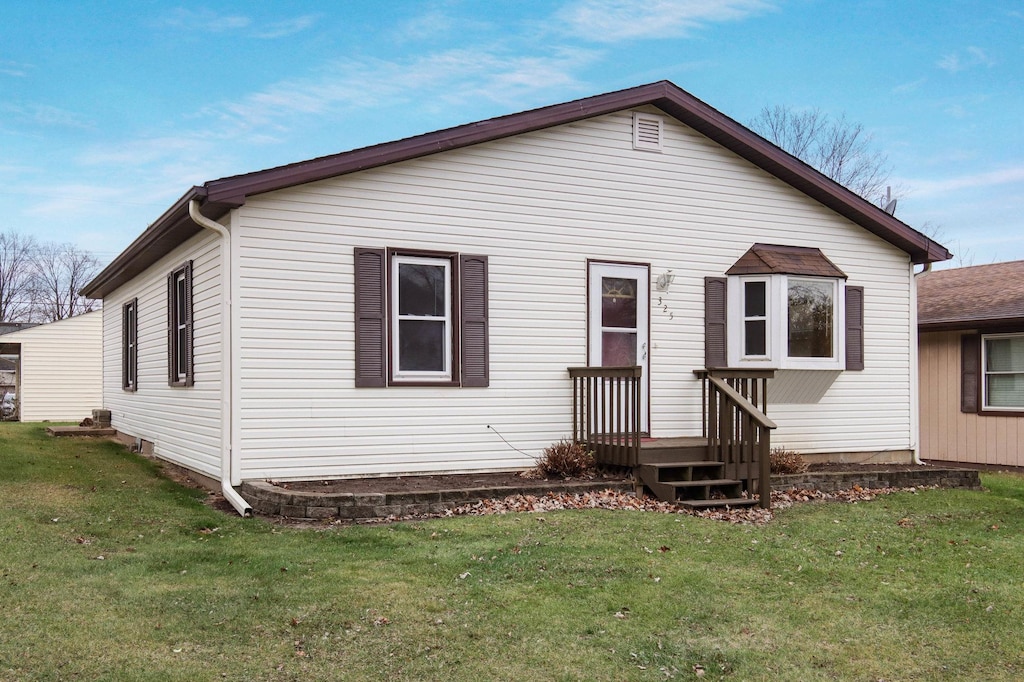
(755, 319)
(421, 318)
(421, 304)
(1003, 366)
(180, 327)
(130, 345)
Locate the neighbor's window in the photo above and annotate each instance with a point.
(179, 342)
(1003, 361)
(129, 345)
(421, 318)
(811, 319)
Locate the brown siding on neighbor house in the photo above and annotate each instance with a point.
(949, 434)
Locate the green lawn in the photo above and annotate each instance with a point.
(108, 571)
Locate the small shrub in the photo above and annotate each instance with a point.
(787, 462)
(566, 459)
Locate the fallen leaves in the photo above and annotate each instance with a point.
(611, 499)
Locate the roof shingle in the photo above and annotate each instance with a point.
(972, 297)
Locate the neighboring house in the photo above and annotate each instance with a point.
(7, 375)
(59, 368)
(972, 364)
(413, 307)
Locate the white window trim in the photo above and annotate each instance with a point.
(985, 407)
(769, 315)
(411, 376)
(778, 325)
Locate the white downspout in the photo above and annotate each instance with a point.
(915, 370)
(227, 464)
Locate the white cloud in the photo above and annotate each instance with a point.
(988, 178)
(16, 69)
(204, 20)
(970, 58)
(912, 86)
(452, 76)
(208, 21)
(616, 20)
(44, 115)
(283, 29)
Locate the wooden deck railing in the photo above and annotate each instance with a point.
(606, 412)
(738, 431)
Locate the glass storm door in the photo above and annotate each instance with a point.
(618, 317)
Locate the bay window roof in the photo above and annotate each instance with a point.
(774, 259)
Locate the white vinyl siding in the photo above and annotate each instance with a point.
(61, 368)
(539, 205)
(183, 423)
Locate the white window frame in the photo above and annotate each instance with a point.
(985, 373)
(777, 309)
(768, 317)
(419, 375)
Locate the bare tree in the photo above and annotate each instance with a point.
(16, 271)
(836, 147)
(59, 273)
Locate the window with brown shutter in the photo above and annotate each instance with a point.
(180, 327)
(421, 318)
(130, 345)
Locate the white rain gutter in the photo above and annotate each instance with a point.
(227, 452)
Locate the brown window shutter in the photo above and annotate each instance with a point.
(190, 377)
(371, 317)
(970, 373)
(170, 330)
(715, 316)
(473, 314)
(855, 328)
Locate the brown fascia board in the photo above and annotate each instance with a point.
(226, 193)
(166, 232)
(988, 325)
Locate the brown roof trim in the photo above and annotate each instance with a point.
(223, 194)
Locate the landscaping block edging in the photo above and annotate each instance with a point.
(831, 481)
(272, 500)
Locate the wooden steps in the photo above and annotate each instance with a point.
(696, 483)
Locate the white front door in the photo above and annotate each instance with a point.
(618, 317)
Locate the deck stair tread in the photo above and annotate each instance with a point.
(727, 502)
(680, 465)
(700, 482)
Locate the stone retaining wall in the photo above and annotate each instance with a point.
(273, 500)
(831, 481)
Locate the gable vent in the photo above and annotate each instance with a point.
(647, 131)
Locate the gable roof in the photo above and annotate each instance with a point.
(988, 296)
(217, 197)
(773, 259)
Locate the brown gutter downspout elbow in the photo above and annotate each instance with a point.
(227, 404)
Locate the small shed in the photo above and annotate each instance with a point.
(59, 368)
(971, 324)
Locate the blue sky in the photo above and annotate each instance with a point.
(110, 111)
